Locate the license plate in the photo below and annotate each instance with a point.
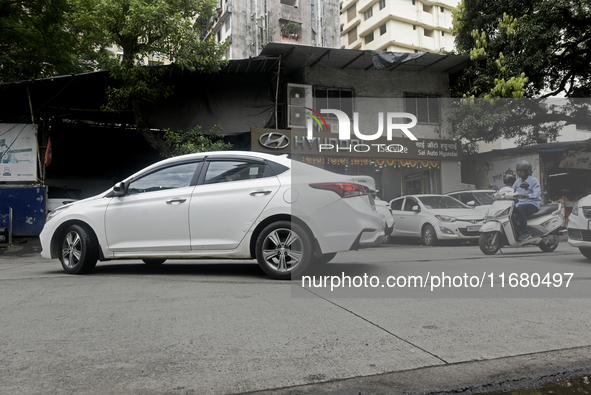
(473, 228)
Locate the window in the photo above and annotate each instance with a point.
(424, 107)
(414, 27)
(293, 3)
(352, 35)
(397, 204)
(442, 9)
(428, 8)
(369, 38)
(171, 177)
(368, 14)
(428, 32)
(442, 34)
(228, 24)
(235, 170)
(335, 99)
(382, 4)
(409, 204)
(351, 12)
(383, 29)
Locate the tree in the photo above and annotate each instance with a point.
(34, 41)
(144, 28)
(192, 141)
(536, 49)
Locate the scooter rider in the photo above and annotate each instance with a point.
(529, 198)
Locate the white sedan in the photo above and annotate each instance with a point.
(233, 204)
(433, 218)
(579, 226)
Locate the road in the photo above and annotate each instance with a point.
(223, 327)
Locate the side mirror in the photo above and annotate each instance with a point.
(119, 189)
(471, 203)
(416, 208)
(524, 185)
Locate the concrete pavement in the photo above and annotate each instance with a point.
(223, 327)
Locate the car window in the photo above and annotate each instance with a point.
(465, 198)
(397, 204)
(171, 177)
(228, 171)
(484, 198)
(409, 204)
(438, 202)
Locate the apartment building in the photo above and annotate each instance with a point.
(248, 25)
(397, 25)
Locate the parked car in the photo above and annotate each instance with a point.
(382, 206)
(579, 226)
(57, 197)
(434, 218)
(480, 199)
(283, 213)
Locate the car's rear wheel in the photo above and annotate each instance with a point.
(429, 235)
(283, 248)
(549, 243)
(586, 252)
(79, 250)
(153, 261)
(490, 242)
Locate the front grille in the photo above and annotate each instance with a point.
(464, 232)
(586, 235)
(586, 212)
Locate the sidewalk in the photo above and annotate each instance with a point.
(21, 246)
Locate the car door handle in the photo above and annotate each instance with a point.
(176, 201)
(258, 192)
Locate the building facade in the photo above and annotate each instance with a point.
(248, 25)
(397, 25)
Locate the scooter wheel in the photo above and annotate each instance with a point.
(549, 243)
(490, 242)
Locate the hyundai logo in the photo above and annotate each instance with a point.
(274, 140)
(474, 221)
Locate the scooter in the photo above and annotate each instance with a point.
(500, 224)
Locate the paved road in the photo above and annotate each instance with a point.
(206, 327)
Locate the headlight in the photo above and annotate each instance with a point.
(55, 212)
(575, 209)
(446, 218)
(499, 214)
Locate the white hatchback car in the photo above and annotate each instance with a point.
(433, 218)
(579, 226)
(232, 204)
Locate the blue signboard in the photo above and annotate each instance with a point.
(28, 209)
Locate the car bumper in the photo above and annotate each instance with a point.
(45, 239)
(579, 231)
(445, 232)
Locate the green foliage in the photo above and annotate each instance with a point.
(142, 29)
(191, 141)
(534, 49)
(35, 41)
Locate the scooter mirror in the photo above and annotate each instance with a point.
(524, 185)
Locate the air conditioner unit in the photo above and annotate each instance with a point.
(298, 98)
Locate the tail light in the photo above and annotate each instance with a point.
(343, 189)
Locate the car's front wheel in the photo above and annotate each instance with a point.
(79, 250)
(283, 248)
(429, 235)
(586, 252)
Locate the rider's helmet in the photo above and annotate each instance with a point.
(524, 165)
(509, 179)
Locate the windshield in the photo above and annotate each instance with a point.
(441, 202)
(484, 198)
